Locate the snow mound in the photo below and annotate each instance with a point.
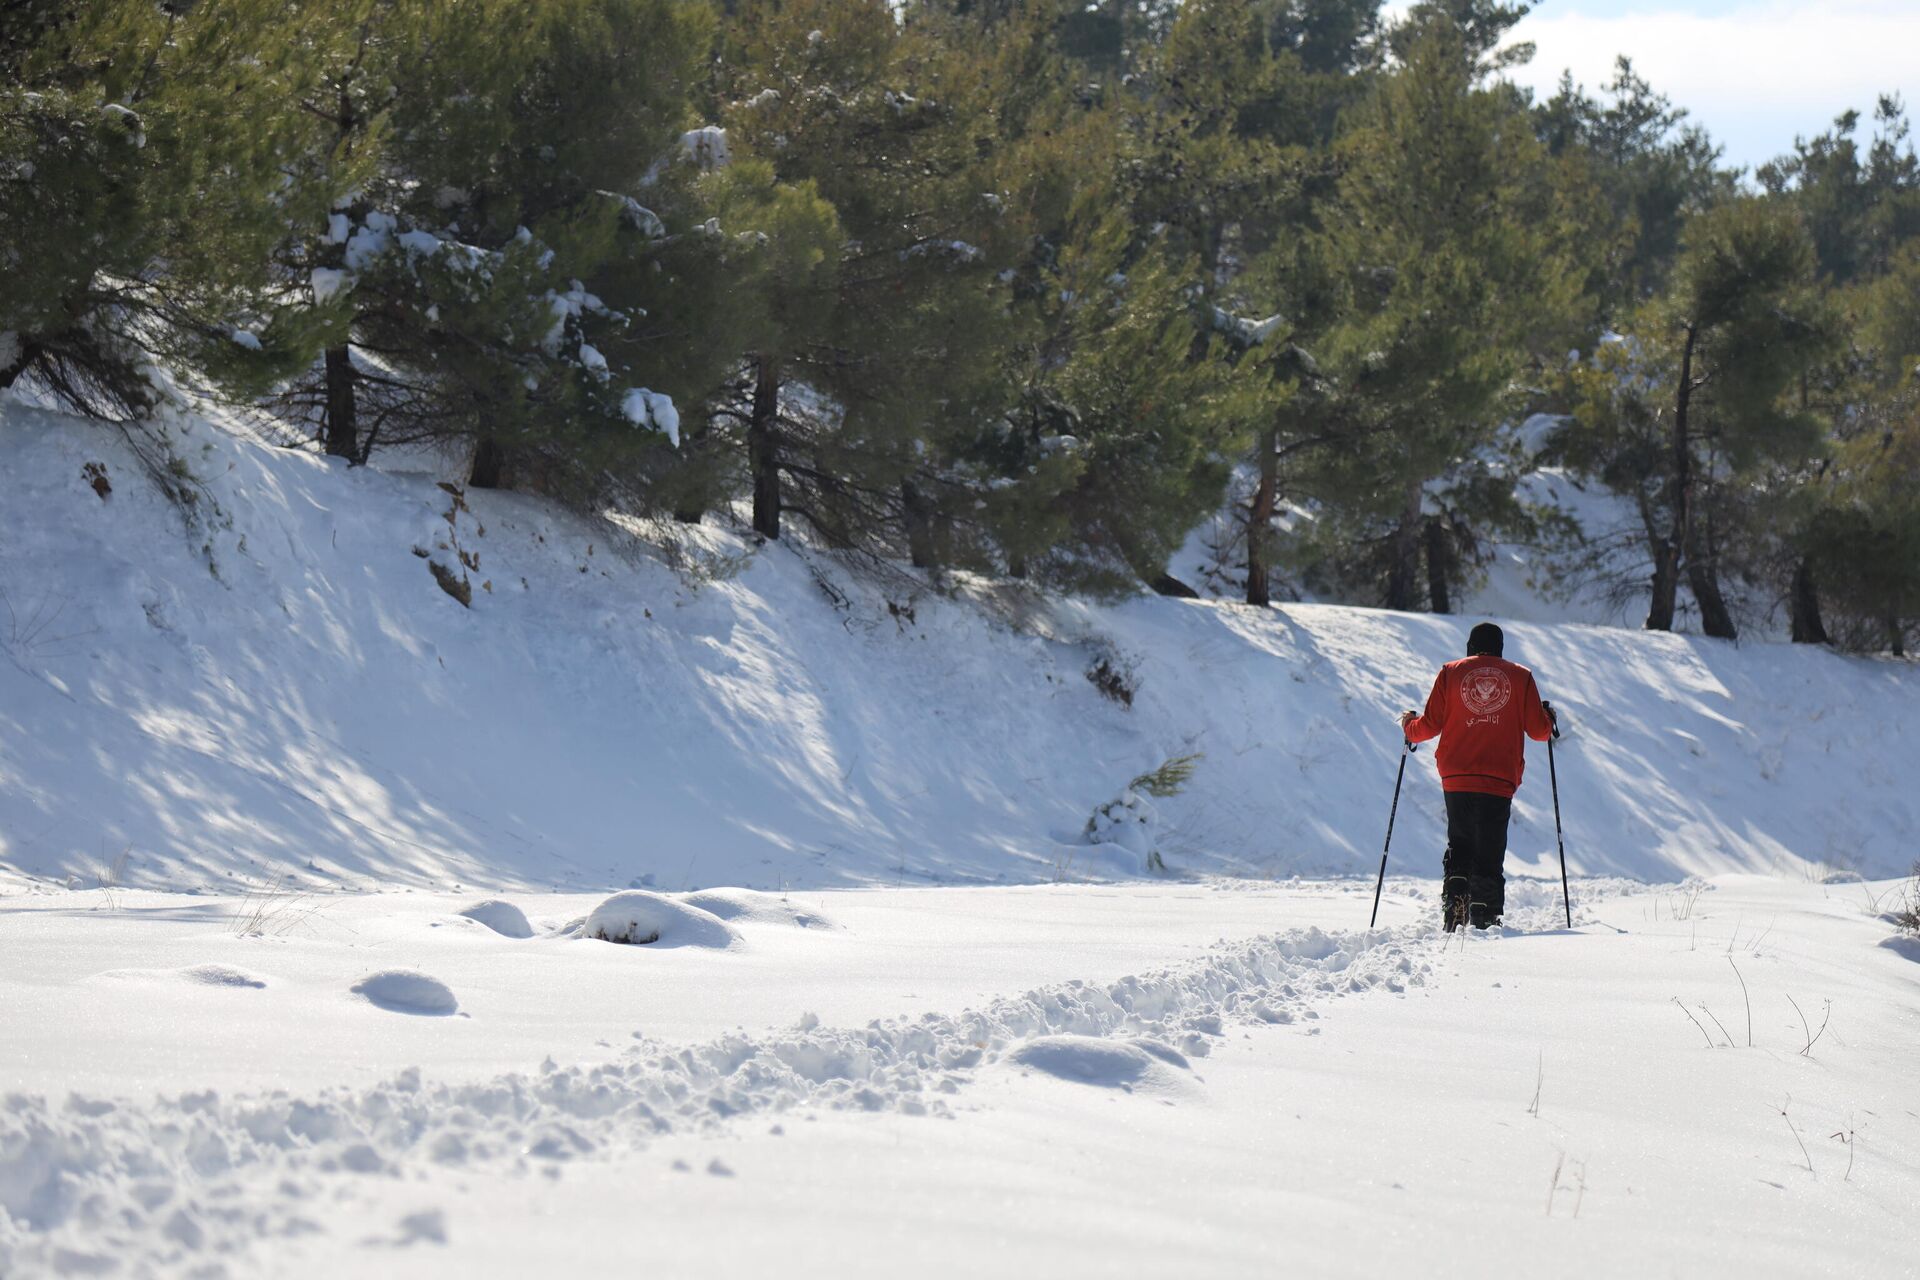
(638, 918)
(1138, 1063)
(756, 908)
(204, 975)
(1902, 944)
(502, 917)
(407, 991)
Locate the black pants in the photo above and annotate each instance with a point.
(1476, 850)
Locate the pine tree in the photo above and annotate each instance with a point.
(1704, 391)
(853, 403)
(1233, 132)
(483, 164)
(1856, 535)
(135, 219)
(1461, 249)
(1652, 170)
(1859, 208)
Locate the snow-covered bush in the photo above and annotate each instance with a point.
(638, 918)
(1130, 820)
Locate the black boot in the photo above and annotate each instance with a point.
(1488, 900)
(1455, 903)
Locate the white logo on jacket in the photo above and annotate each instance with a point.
(1485, 691)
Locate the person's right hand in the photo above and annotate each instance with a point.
(1407, 718)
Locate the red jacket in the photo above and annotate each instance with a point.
(1479, 708)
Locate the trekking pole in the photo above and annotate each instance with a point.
(1553, 776)
(1408, 749)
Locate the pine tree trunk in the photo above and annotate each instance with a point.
(1666, 585)
(1404, 567)
(1016, 566)
(10, 372)
(1804, 607)
(1439, 567)
(919, 521)
(763, 448)
(1896, 638)
(1666, 553)
(1716, 619)
(489, 465)
(1260, 522)
(340, 425)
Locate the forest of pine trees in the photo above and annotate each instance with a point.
(1020, 287)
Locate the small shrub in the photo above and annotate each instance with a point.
(1113, 677)
(1906, 913)
(1170, 779)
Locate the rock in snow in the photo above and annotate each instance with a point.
(407, 991)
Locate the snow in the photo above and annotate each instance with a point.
(639, 918)
(407, 991)
(571, 306)
(328, 282)
(707, 146)
(653, 410)
(1244, 330)
(128, 119)
(370, 240)
(246, 338)
(321, 709)
(756, 908)
(209, 975)
(302, 866)
(1178, 1104)
(502, 917)
(1109, 1064)
(638, 216)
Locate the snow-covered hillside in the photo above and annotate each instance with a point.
(289, 692)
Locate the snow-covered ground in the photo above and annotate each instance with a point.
(304, 868)
(1210, 1078)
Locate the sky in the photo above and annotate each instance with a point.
(1756, 73)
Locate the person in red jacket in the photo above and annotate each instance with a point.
(1482, 709)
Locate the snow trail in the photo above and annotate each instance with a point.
(199, 1177)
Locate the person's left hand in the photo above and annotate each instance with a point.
(1407, 718)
